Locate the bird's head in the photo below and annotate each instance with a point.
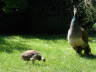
(75, 10)
(39, 57)
(43, 59)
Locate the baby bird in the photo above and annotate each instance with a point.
(32, 55)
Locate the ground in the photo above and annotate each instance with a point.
(60, 57)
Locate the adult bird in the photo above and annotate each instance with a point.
(77, 36)
(32, 55)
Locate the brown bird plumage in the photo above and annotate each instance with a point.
(32, 55)
(77, 36)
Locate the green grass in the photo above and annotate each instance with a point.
(60, 57)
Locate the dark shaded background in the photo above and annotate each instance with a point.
(41, 16)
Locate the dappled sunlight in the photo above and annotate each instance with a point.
(11, 43)
(18, 42)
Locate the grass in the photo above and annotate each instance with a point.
(60, 57)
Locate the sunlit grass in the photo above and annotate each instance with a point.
(60, 57)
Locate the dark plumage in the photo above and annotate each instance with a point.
(32, 55)
(77, 36)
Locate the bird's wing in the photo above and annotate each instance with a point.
(84, 35)
(33, 57)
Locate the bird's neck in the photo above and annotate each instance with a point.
(74, 22)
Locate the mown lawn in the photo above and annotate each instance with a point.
(60, 57)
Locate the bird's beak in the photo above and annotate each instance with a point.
(43, 59)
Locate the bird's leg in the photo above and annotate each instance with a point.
(32, 61)
(87, 50)
(27, 62)
(78, 49)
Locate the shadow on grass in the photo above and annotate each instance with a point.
(88, 57)
(10, 47)
(40, 64)
(46, 36)
(51, 36)
(92, 35)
